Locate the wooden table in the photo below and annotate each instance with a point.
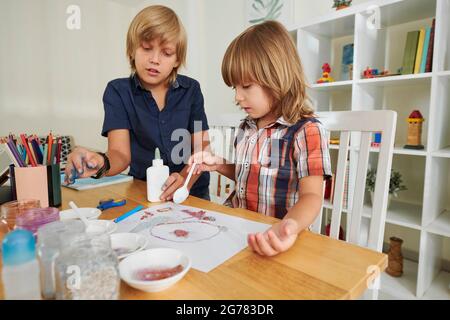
(316, 267)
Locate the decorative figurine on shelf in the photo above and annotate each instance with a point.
(415, 122)
(342, 4)
(326, 77)
(395, 258)
(376, 140)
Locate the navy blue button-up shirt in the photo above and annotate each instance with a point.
(128, 105)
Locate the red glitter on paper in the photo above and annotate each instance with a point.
(195, 214)
(181, 233)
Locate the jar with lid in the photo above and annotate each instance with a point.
(87, 268)
(48, 247)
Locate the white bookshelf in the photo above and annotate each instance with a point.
(424, 209)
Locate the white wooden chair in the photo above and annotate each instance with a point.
(222, 132)
(360, 125)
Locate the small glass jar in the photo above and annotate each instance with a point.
(33, 219)
(10, 210)
(87, 269)
(48, 248)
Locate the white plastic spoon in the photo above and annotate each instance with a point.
(79, 213)
(182, 193)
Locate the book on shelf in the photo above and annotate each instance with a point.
(426, 45)
(419, 51)
(347, 62)
(409, 56)
(429, 64)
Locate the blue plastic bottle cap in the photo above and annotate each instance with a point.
(18, 247)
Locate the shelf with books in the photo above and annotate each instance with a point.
(400, 47)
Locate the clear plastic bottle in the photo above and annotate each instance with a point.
(157, 174)
(20, 272)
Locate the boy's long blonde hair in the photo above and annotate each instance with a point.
(266, 54)
(157, 22)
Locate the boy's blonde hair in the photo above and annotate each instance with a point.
(157, 22)
(266, 54)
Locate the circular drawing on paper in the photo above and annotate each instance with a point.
(186, 231)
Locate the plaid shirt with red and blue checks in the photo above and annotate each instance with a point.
(271, 161)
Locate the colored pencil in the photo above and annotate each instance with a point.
(30, 155)
(11, 155)
(15, 152)
(49, 149)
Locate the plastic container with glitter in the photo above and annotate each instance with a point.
(33, 219)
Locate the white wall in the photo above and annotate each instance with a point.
(53, 78)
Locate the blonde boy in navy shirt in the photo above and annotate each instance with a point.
(143, 111)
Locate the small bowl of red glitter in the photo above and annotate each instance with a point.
(154, 270)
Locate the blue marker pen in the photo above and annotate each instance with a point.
(129, 213)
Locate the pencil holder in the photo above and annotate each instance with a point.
(41, 182)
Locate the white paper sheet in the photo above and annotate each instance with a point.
(209, 238)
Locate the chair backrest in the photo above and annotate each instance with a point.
(360, 126)
(222, 132)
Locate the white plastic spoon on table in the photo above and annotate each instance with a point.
(182, 193)
(79, 213)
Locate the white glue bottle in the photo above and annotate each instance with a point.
(20, 272)
(157, 174)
